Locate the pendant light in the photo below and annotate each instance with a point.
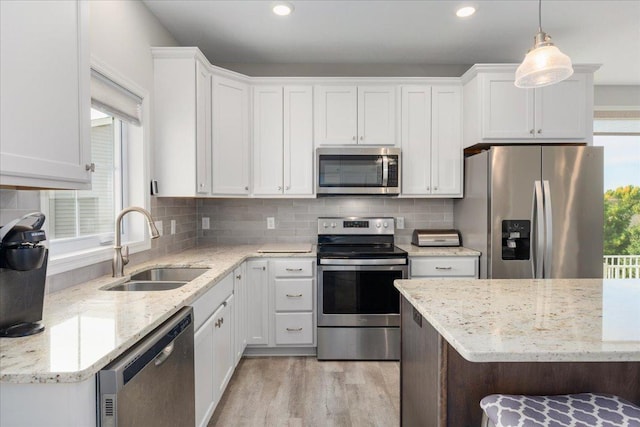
(544, 64)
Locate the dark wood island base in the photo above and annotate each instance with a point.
(439, 388)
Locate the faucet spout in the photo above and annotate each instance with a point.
(120, 260)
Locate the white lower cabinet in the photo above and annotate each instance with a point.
(214, 352)
(257, 303)
(240, 311)
(443, 266)
(281, 304)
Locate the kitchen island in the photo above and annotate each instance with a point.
(465, 339)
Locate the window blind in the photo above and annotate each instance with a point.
(110, 97)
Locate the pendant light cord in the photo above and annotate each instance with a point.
(539, 15)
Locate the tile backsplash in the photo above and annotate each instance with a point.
(244, 221)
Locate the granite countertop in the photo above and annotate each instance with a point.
(437, 251)
(86, 327)
(554, 320)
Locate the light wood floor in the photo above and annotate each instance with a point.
(300, 391)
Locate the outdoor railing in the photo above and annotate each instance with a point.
(621, 266)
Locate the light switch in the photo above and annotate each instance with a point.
(400, 222)
(205, 223)
(271, 223)
(173, 226)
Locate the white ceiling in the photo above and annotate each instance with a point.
(408, 32)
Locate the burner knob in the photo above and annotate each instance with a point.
(385, 225)
(325, 225)
(377, 224)
(333, 225)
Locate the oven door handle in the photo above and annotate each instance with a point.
(355, 262)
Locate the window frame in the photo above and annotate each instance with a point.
(135, 163)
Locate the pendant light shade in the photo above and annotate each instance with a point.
(544, 64)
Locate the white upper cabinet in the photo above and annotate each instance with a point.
(347, 115)
(45, 102)
(495, 110)
(432, 160)
(282, 140)
(182, 122)
(230, 147)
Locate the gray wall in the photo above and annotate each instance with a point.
(244, 221)
(617, 96)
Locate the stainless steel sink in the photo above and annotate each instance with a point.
(163, 274)
(158, 279)
(146, 285)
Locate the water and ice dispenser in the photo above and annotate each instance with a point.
(516, 239)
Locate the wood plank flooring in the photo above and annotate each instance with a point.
(301, 391)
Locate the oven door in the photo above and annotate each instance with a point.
(359, 295)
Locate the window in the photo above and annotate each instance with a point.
(619, 133)
(80, 223)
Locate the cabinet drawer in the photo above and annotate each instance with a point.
(204, 306)
(294, 294)
(444, 267)
(293, 268)
(294, 328)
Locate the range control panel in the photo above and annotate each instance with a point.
(358, 225)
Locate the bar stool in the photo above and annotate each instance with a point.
(575, 410)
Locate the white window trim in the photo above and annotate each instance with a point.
(87, 257)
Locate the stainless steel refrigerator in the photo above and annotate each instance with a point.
(534, 211)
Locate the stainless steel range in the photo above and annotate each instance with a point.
(358, 306)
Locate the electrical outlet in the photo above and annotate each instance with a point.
(400, 222)
(173, 226)
(271, 223)
(158, 225)
(205, 223)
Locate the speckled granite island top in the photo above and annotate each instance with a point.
(86, 327)
(572, 320)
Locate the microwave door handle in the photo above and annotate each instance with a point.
(385, 170)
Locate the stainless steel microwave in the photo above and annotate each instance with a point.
(358, 170)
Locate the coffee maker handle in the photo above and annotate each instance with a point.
(36, 225)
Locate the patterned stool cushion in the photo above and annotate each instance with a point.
(571, 410)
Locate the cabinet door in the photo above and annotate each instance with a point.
(223, 352)
(298, 140)
(230, 147)
(416, 140)
(45, 102)
(507, 111)
(257, 303)
(203, 129)
(377, 115)
(267, 140)
(446, 141)
(336, 115)
(561, 109)
(203, 368)
(240, 311)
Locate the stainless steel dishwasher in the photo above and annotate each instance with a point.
(153, 383)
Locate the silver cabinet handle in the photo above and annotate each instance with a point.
(239, 276)
(90, 167)
(288, 187)
(362, 138)
(443, 268)
(435, 188)
(279, 188)
(246, 187)
(294, 296)
(294, 329)
(539, 130)
(260, 268)
(354, 138)
(219, 322)
(293, 269)
(531, 131)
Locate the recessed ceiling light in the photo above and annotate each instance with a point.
(282, 8)
(463, 12)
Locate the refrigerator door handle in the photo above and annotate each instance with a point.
(537, 223)
(548, 226)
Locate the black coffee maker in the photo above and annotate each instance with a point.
(23, 271)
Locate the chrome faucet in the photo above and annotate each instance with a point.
(121, 259)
